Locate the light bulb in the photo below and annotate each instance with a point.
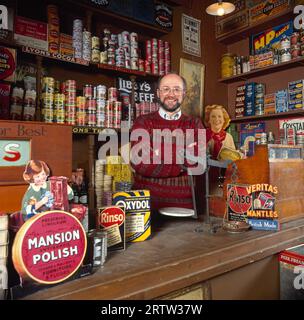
(220, 11)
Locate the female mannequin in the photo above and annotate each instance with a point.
(217, 120)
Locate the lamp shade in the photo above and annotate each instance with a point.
(220, 8)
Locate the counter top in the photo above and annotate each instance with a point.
(175, 257)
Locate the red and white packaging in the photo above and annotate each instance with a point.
(112, 219)
(31, 33)
(59, 189)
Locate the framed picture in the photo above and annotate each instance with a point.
(194, 73)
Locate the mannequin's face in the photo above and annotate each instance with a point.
(216, 120)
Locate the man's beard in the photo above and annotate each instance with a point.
(167, 108)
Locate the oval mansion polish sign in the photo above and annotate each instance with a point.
(49, 247)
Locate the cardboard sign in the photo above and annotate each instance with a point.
(14, 153)
(250, 131)
(239, 201)
(49, 247)
(264, 9)
(7, 64)
(164, 16)
(262, 215)
(144, 90)
(270, 39)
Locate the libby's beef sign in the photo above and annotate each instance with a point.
(254, 204)
(49, 247)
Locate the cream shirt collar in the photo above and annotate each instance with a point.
(37, 188)
(165, 115)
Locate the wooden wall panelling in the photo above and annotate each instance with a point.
(50, 143)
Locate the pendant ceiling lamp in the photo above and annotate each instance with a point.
(220, 8)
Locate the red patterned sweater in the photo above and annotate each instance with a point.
(168, 183)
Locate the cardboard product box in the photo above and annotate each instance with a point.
(269, 98)
(281, 101)
(112, 219)
(295, 104)
(66, 39)
(292, 273)
(249, 108)
(296, 85)
(138, 213)
(239, 112)
(269, 108)
(295, 95)
(31, 33)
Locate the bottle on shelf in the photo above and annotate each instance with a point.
(82, 187)
(270, 138)
(75, 188)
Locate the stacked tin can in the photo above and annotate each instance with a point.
(112, 98)
(91, 111)
(99, 181)
(295, 45)
(95, 53)
(53, 28)
(81, 111)
(167, 57)
(259, 99)
(124, 42)
(285, 54)
(127, 110)
(100, 96)
(301, 40)
(105, 45)
(148, 59)
(48, 84)
(109, 48)
(161, 57)
(29, 105)
(70, 102)
(59, 108)
(86, 45)
(154, 61)
(77, 38)
(134, 51)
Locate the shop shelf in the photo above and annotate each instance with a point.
(262, 71)
(56, 56)
(93, 130)
(120, 70)
(257, 27)
(292, 113)
(120, 20)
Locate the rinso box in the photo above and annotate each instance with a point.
(292, 273)
(138, 215)
(112, 219)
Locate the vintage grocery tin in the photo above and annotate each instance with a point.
(138, 220)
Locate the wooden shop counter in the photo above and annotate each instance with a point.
(180, 263)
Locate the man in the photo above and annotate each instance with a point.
(167, 180)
